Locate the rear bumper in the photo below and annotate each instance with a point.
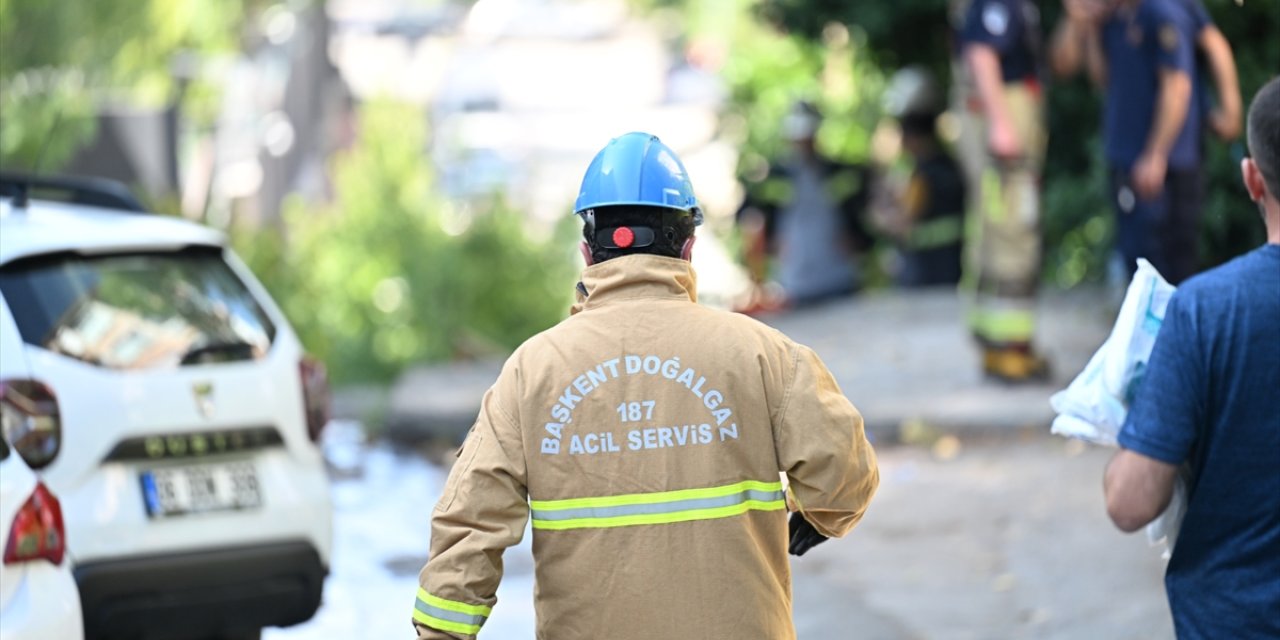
(43, 605)
(178, 595)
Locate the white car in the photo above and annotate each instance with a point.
(156, 389)
(38, 597)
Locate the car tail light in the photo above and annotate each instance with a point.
(30, 421)
(315, 395)
(37, 531)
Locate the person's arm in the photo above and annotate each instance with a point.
(1095, 59)
(823, 448)
(1225, 120)
(984, 66)
(1176, 62)
(483, 511)
(1065, 51)
(1137, 489)
(1171, 114)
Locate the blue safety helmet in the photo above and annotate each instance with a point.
(637, 169)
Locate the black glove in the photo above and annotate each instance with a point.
(803, 536)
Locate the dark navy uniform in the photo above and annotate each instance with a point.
(1155, 35)
(1012, 28)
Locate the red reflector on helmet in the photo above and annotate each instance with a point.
(623, 237)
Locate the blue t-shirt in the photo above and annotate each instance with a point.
(1012, 28)
(1211, 399)
(1155, 35)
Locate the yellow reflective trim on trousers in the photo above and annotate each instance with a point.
(445, 625)
(654, 498)
(1009, 325)
(662, 518)
(450, 605)
(992, 194)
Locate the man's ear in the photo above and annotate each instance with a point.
(586, 253)
(1254, 183)
(686, 252)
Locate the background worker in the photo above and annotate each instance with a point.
(1140, 51)
(927, 219)
(645, 435)
(1208, 403)
(1003, 129)
(807, 213)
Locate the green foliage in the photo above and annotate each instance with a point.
(900, 33)
(389, 274)
(60, 61)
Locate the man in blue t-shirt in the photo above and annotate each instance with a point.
(1211, 402)
(1141, 53)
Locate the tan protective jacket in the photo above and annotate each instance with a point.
(645, 435)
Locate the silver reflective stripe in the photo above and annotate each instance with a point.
(658, 507)
(451, 616)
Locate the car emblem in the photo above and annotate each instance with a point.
(203, 392)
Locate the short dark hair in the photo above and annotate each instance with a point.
(1264, 134)
(671, 227)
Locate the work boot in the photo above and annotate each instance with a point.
(1014, 364)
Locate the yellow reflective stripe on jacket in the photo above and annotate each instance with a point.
(657, 508)
(447, 615)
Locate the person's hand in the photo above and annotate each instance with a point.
(1148, 174)
(803, 536)
(1085, 13)
(1225, 125)
(1003, 141)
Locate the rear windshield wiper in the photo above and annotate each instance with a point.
(230, 350)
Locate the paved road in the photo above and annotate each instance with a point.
(1006, 540)
(1000, 539)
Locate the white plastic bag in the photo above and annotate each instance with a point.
(1094, 405)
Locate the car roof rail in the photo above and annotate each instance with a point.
(88, 191)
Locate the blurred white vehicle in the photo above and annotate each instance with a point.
(38, 596)
(156, 389)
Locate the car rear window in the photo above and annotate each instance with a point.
(137, 310)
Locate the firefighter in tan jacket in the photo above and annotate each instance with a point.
(644, 436)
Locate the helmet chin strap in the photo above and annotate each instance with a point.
(636, 236)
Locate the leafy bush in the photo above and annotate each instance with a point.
(389, 274)
(60, 61)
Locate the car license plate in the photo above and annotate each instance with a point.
(174, 491)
